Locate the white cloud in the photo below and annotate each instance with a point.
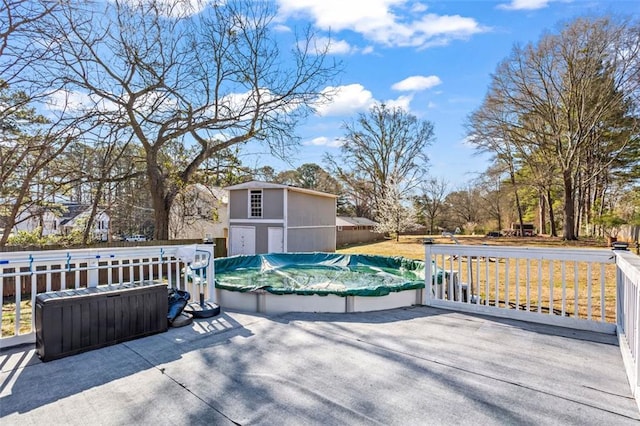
(345, 100)
(354, 98)
(66, 100)
(333, 46)
(416, 83)
(242, 106)
(367, 50)
(325, 141)
(418, 8)
(524, 5)
(386, 22)
(402, 102)
(281, 28)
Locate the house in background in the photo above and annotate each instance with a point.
(76, 216)
(351, 230)
(200, 212)
(64, 219)
(29, 219)
(273, 218)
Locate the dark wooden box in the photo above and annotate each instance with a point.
(73, 321)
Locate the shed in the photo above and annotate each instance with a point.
(273, 218)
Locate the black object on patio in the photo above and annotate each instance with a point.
(73, 321)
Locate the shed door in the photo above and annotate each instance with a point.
(275, 240)
(243, 240)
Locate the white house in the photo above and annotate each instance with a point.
(199, 211)
(63, 219)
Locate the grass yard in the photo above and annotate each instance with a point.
(503, 282)
(9, 317)
(411, 246)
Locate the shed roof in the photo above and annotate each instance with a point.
(354, 221)
(255, 184)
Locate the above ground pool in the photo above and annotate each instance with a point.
(319, 274)
(318, 282)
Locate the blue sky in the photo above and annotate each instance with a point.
(433, 58)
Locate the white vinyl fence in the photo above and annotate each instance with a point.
(586, 289)
(24, 274)
(628, 319)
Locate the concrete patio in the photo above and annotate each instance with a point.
(406, 366)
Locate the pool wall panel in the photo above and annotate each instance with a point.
(392, 300)
(267, 303)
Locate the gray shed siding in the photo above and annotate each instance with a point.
(312, 223)
(272, 204)
(238, 204)
(311, 239)
(261, 239)
(311, 210)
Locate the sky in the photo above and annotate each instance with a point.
(432, 58)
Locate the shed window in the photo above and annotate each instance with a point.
(255, 203)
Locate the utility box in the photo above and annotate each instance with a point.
(73, 321)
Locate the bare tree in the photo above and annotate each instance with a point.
(430, 202)
(384, 145)
(21, 23)
(564, 97)
(464, 205)
(493, 194)
(209, 78)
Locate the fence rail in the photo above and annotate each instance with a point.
(24, 274)
(628, 318)
(568, 287)
(597, 289)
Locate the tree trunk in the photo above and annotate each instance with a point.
(542, 212)
(161, 197)
(161, 216)
(512, 175)
(552, 217)
(94, 209)
(577, 203)
(569, 208)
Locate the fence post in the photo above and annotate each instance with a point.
(428, 272)
(211, 273)
(93, 273)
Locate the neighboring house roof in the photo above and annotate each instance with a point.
(354, 221)
(74, 211)
(220, 194)
(254, 184)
